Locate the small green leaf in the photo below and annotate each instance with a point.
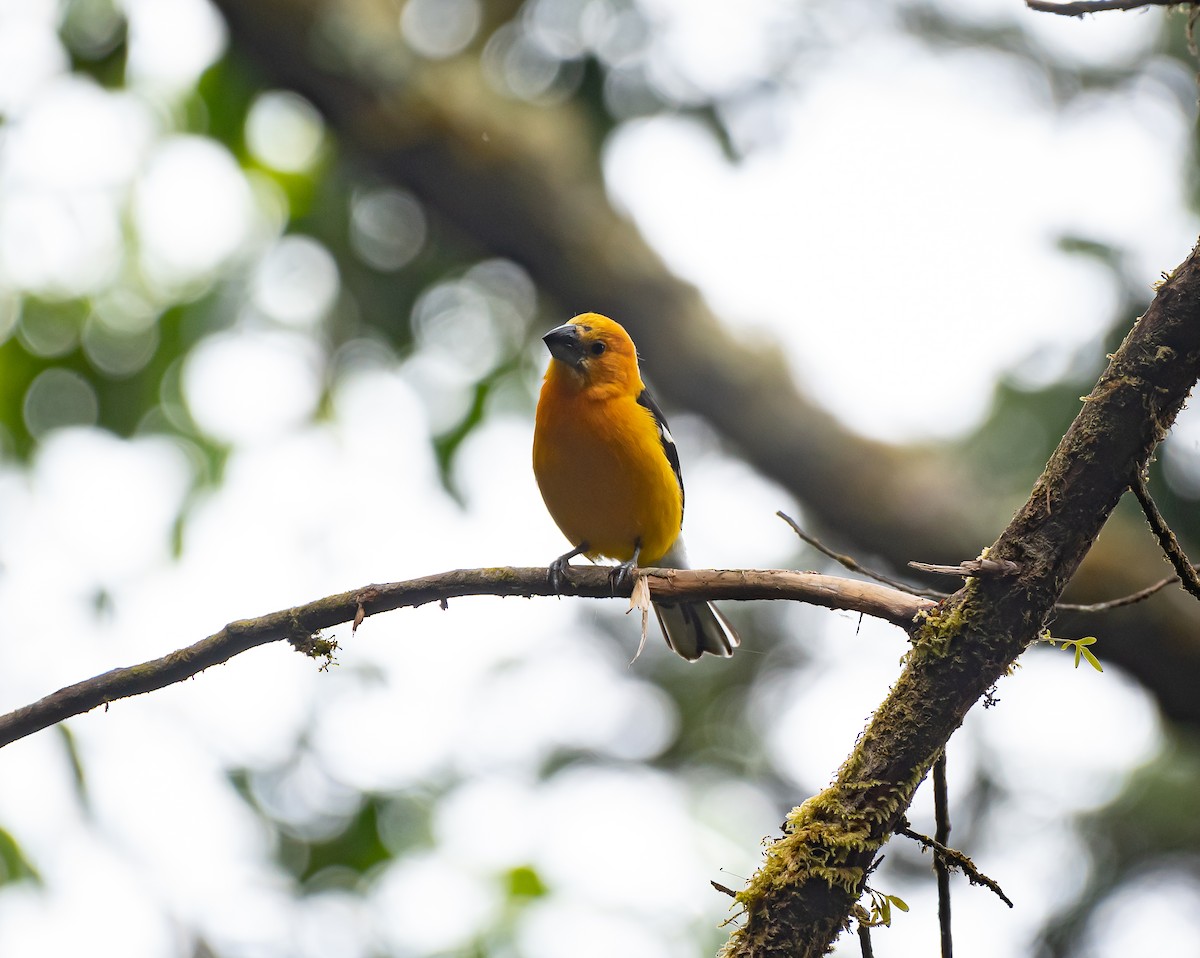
(1080, 647)
(524, 882)
(14, 865)
(898, 902)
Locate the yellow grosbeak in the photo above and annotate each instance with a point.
(609, 471)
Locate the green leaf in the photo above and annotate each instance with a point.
(1080, 647)
(524, 882)
(14, 865)
(446, 445)
(78, 775)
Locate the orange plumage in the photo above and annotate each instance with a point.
(609, 473)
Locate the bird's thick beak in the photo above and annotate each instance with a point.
(565, 344)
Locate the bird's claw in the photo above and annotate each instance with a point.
(621, 574)
(624, 572)
(558, 568)
(558, 573)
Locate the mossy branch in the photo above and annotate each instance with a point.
(802, 897)
(299, 625)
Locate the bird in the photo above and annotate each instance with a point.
(608, 471)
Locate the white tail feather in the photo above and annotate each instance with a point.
(693, 628)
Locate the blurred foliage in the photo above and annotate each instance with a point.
(125, 371)
(323, 846)
(1026, 422)
(1149, 830)
(78, 776)
(544, 53)
(14, 865)
(96, 37)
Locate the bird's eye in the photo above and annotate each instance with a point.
(597, 348)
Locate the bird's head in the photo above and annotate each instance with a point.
(593, 351)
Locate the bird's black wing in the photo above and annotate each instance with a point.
(664, 435)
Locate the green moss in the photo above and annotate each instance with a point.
(820, 836)
(314, 645)
(824, 834)
(938, 627)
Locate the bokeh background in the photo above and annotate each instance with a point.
(272, 281)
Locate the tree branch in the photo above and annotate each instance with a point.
(1184, 571)
(798, 902)
(849, 562)
(299, 624)
(1077, 8)
(956, 859)
(941, 811)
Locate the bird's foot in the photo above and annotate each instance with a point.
(558, 568)
(622, 573)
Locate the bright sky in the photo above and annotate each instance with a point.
(903, 184)
(897, 195)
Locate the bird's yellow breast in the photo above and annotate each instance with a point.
(603, 474)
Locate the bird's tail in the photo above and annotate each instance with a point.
(693, 628)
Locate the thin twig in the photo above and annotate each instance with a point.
(864, 940)
(849, 562)
(975, 567)
(941, 814)
(972, 568)
(1077, 8)
(956, 859)
(1139, 596)
(300, 623)
(1166, 538)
